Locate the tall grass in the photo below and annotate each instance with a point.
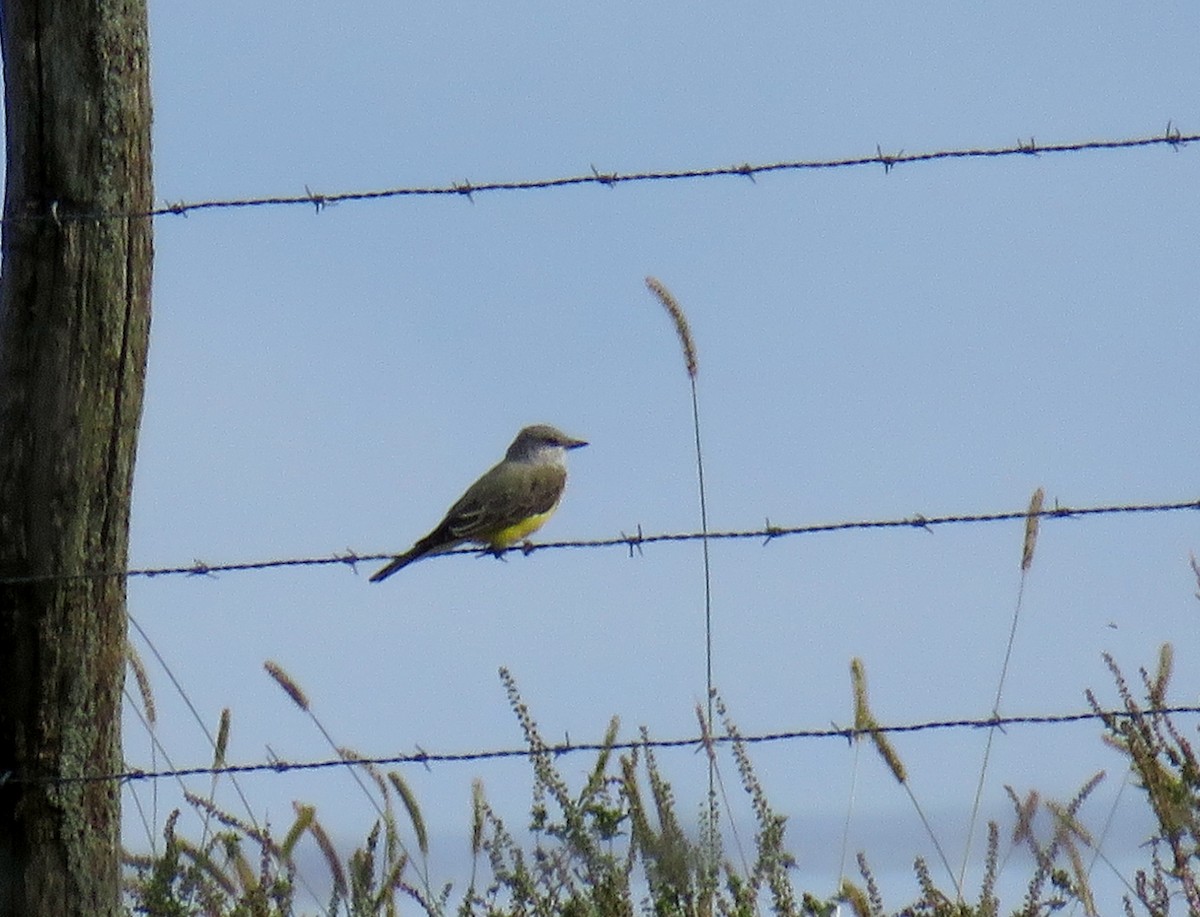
(619, 843)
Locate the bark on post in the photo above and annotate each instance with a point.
(74, 323)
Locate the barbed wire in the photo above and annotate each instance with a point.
(1171, 136)
(566, 748)
(632, 542)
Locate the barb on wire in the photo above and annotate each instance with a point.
(1171, 137)
(276, 765)
(631, 543)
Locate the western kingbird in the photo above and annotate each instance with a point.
(510, 502)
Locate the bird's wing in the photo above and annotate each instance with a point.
(504, 496)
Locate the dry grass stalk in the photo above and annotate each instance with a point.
(143, 683)
(1032, 518)
(284, 680)
(671, 304)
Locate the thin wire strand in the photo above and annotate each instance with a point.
(631, 542)
(1170, 137)
(850, 802)
(709, 689)
(987, 748)
(427, 758)
(195, 714)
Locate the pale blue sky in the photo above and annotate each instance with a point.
(944, 338)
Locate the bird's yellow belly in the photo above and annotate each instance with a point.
(519, 531)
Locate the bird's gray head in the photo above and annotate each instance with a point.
(542, 442)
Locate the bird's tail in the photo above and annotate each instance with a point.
(435, 542)
(396, 564)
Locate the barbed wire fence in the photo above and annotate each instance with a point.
(567, 748)
(1171, 137)
(632, 542)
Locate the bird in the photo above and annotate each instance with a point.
(507, 504)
